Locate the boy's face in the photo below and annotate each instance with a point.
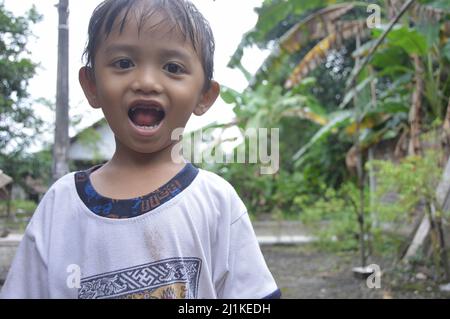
(148, 82)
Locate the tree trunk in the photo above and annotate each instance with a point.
(441, 247)
(10, 213)
(416, 238)
(60, 148)
(359, 169)
(392, 8)
(372, 179)
(416, 105)
(445, 137)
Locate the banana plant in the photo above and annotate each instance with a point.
(329, 27)
(265, 105)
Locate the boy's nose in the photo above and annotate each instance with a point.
(147, 82)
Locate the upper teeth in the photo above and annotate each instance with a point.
(148, 107)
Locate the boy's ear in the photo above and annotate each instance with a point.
(208, 98)
(87, 81)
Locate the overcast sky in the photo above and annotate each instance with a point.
(229, 19)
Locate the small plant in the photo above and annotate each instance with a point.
(21, 206)
(402, 187)
(334, 217)
(23, 209)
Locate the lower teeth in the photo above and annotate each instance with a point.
(148, 127)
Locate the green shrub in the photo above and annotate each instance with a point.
(22, 206)
(333, 217)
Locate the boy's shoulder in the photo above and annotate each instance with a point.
(61, 193)
(64, 182)
(64, 185)
(214, 180)
(217, 188)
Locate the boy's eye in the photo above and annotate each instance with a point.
(123, 64)
(174, 68)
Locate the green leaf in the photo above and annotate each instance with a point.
(389, 57)
(437, 4)
(430, 29)
(351, 94)
(446, 50)
(248, 75)
(258, 119)
(338, 119)
(397, 86)
(391, 106)
(229, 95)
(410, 40)
(247, 40)
(269, 16)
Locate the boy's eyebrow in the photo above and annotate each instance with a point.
(172, 53)
(120, 47)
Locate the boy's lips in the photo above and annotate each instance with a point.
(146, 116)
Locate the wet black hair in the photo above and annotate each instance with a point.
(181, 13)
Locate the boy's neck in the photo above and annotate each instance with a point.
(129, 161)
(130, 174)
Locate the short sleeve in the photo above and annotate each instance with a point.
(28, 275)
(248, 276)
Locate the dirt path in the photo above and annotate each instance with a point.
(302, 272)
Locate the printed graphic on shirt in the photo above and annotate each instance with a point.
(166, 279)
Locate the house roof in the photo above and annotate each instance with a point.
(100, 148)
(96, 125)
(4, 179)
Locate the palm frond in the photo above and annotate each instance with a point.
(313, 27)
(343, 30)
(307, 114)
(339, 119)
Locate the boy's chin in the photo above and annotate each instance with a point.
(153, 149)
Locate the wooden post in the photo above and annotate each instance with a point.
(359, 168)
(60, 148)
(414, 146)
(445, 135)
(11, 215)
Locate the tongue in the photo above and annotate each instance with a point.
(145, 117)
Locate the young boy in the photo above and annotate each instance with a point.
(146, 224)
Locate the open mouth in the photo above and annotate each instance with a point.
(146, 117)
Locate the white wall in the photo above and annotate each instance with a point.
(103, 150)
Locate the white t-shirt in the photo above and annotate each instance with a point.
(197, 244)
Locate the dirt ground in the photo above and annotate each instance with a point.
(303, 272)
